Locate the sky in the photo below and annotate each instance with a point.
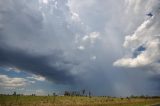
(108, 47)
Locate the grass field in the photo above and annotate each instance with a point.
(73, 101)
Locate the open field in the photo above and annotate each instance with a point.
(74, 101)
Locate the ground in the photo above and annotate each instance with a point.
(75, 101)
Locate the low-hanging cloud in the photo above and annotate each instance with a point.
(38, 64)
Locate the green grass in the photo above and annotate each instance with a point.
(73, 101)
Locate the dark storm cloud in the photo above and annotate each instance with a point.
(37, 64)
(155, 78)
(154, 83)
(33, 40)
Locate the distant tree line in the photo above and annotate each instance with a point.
(77, 93)
(85, 93)
(144, 96)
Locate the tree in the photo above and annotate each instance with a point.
(66, 93)
(89, 94)
(54, 94)
(83, 91)
(14, 94)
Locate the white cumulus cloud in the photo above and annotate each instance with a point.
(6, 81)
(148, 35)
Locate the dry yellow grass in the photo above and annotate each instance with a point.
(73, 101)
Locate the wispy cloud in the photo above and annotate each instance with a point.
(36, 77)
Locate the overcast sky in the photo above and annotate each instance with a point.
(108, 47)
